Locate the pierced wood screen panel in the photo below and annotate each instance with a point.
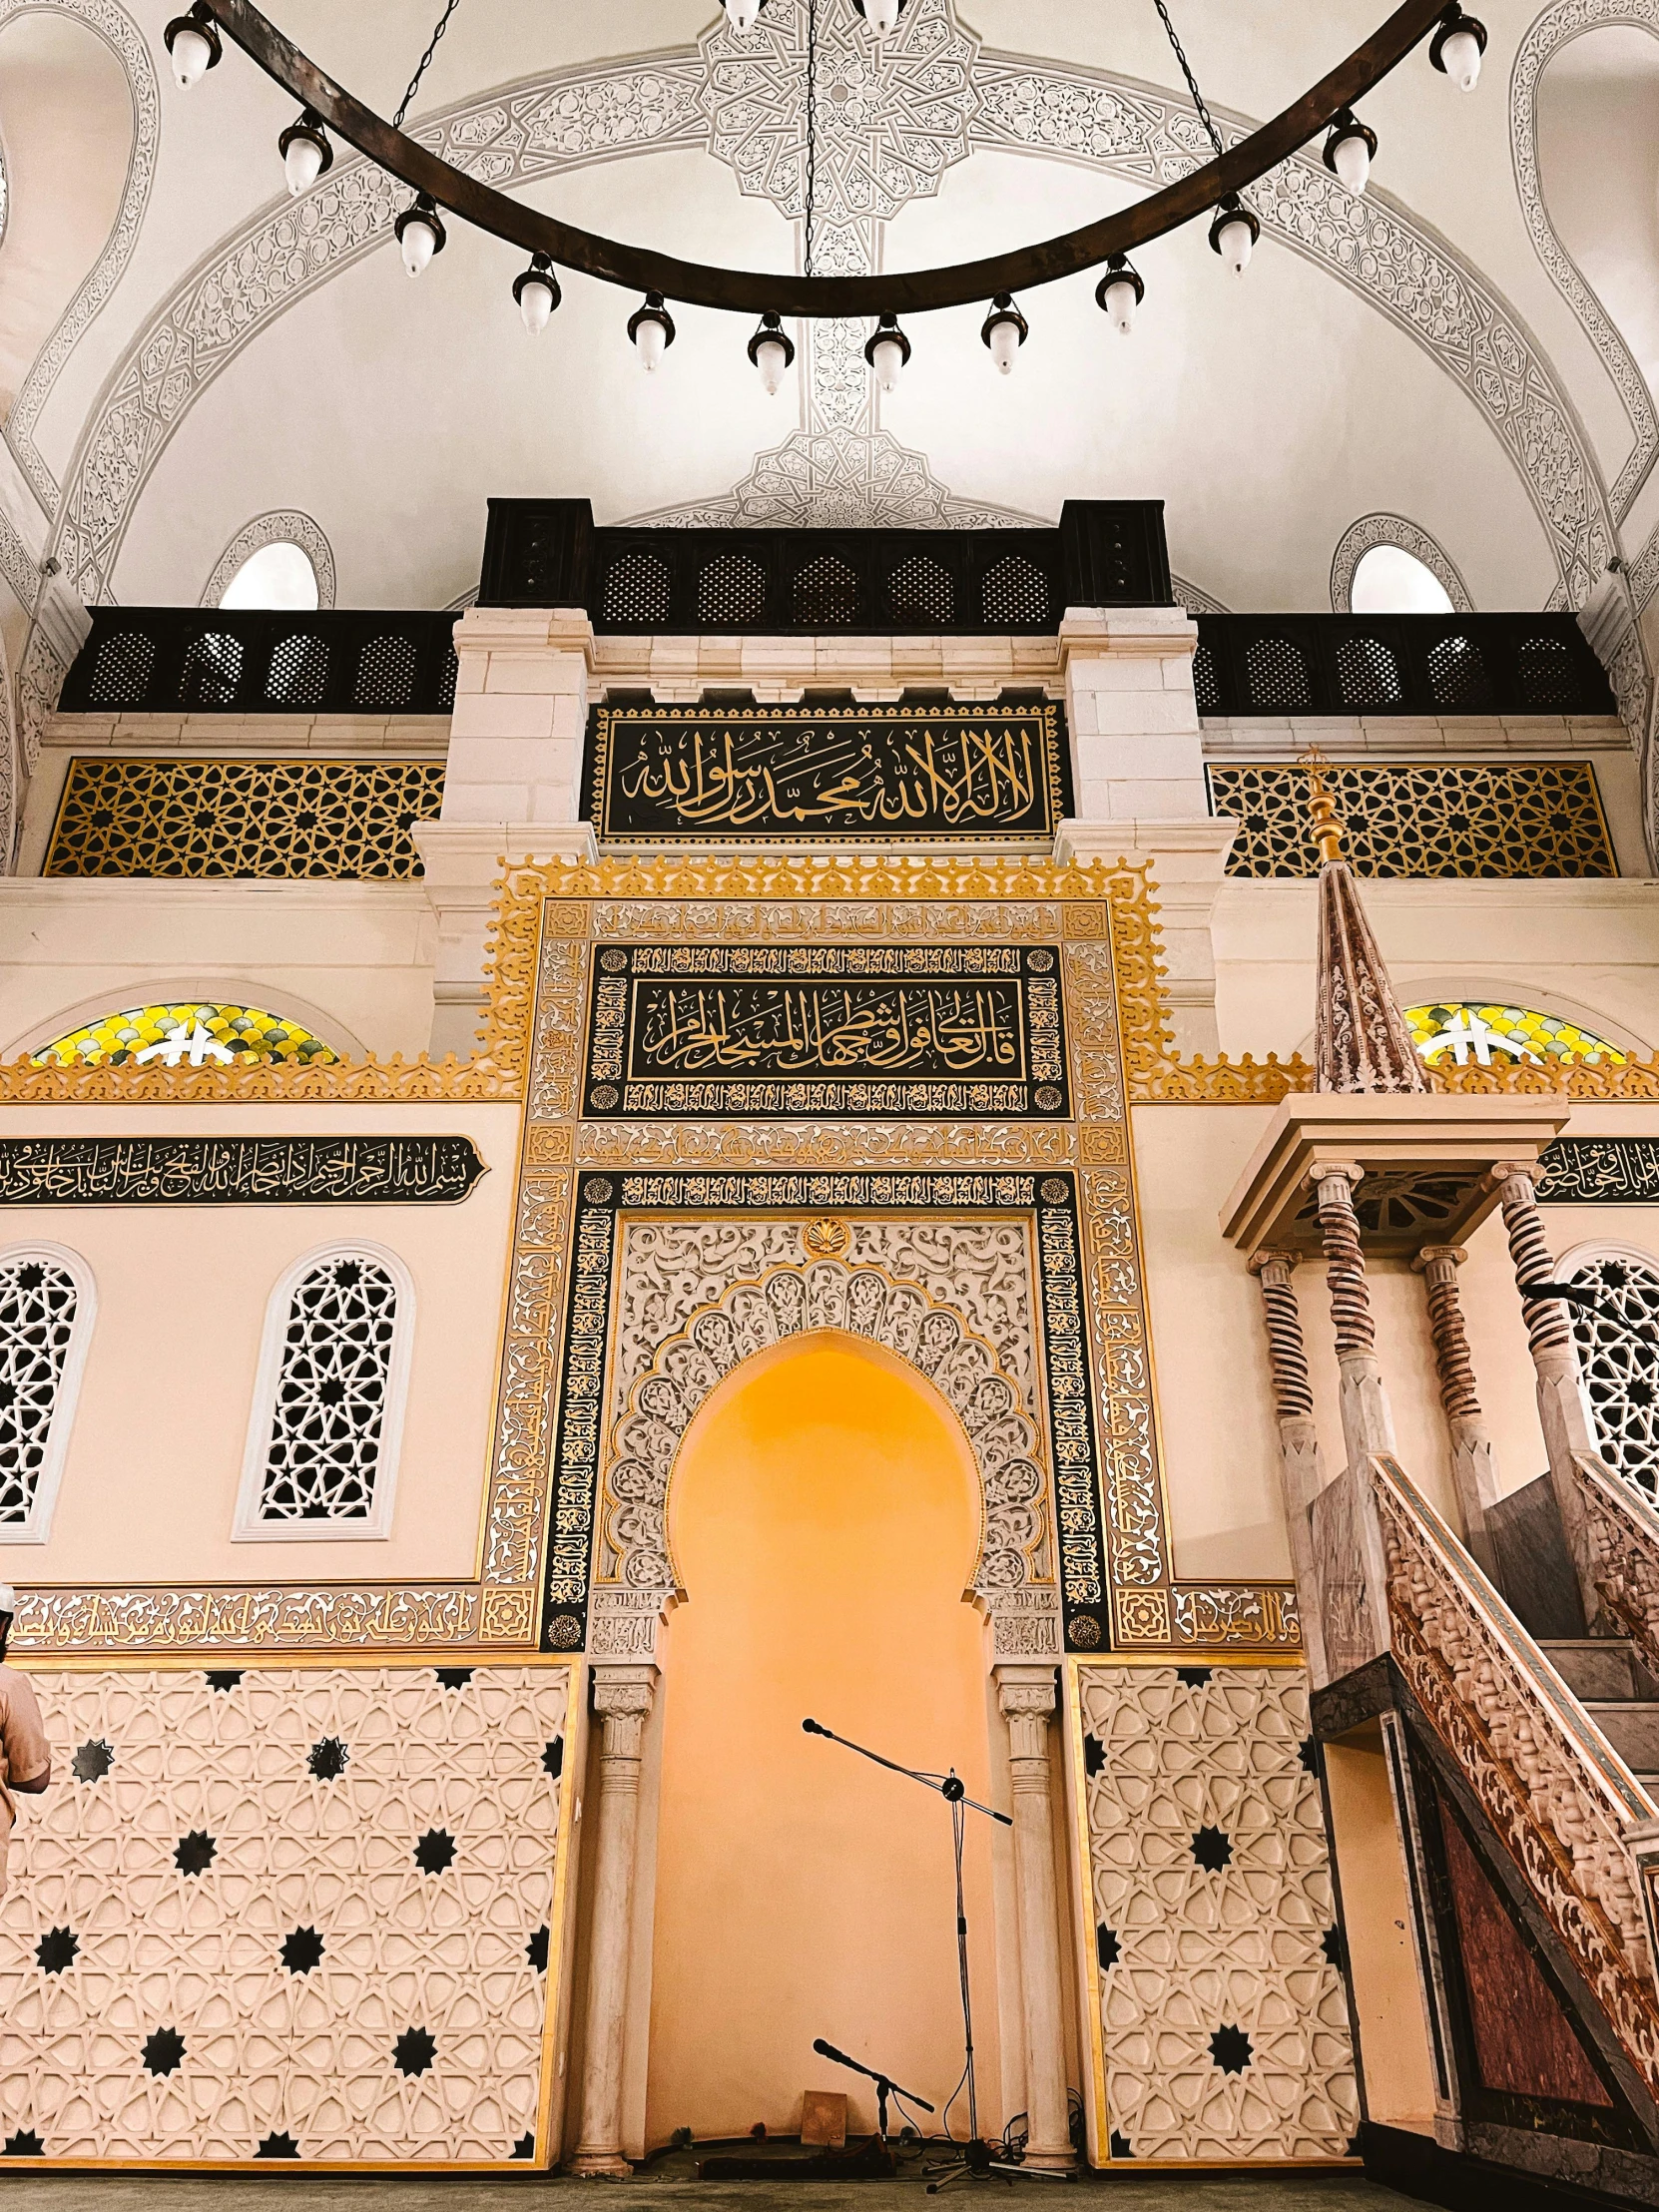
(1420, 818)
(207, 817)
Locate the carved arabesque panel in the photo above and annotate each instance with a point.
(286, 1913)
(1222, 2012)
(955, 1298)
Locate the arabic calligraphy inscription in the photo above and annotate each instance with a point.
(236, 1171)
(821, 1031)
(860, 774)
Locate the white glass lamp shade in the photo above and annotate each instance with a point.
(1351, 158)
(742, 15)
(1236, 241)
(302, 162)
(882, 16)
(1460, 56)
(1005, 344)
(191, 56)
(771, 360)
(1121, 301)
(652, 341)
(535, 303)
(419, 243)
(888, 358)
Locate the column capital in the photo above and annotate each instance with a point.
(1429, 1255)
(1026, 1691)
(624, 1692)
(1273, 1256)
(1324, 1171)
(1508, 1171)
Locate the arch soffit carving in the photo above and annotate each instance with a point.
(111, 22)
(1369, 531)
(1559, 25)
(792, 1302)
(279, 526)
(520, 134)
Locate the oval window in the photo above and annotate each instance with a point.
(186, 1036)
(1461, 1034)
(278, 575)
(1391, 581)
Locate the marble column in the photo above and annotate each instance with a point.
(1562, 1412)
(1027, 1696)
(1473, 1462)
(1301, 1473)
(1368, 1423)
(622, 1698)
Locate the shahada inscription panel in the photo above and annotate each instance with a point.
(856, 773)
(747, 1031)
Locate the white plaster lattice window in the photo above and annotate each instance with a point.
(1618, 1359)
(328, 1418)
(47, 1302)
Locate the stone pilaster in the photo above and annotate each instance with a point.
(1473, 1462)
(622, 1698)
(1301, 1473)
(1026, 1697)
(512, 787)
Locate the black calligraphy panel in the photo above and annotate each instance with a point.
(752, 1031)
(860, 774)
(1600, 1171)
(236, 1171)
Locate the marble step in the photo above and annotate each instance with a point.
(1601, 1667)
(1632, 1730)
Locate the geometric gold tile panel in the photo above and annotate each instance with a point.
(1421, 817)
(1220, 2000)
(299, 1915)
(205, 817)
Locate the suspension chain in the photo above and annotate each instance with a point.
(1204, 115)
(426, 59)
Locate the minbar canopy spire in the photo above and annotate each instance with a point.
(1361, 1041)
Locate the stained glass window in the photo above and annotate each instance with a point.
(1461, 1034)
(187, 1036)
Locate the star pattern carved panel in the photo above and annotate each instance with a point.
(282, 1913)
(1222, 2012)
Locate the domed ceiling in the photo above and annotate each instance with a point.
(185, 350)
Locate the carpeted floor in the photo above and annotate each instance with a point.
(278, 2192)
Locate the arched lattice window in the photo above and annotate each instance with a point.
(46, 1312)
(327, 1413)
(1618, 1356)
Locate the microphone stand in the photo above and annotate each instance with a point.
(975, 2161)
(884, 2084)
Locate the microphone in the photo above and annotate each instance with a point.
(817, 1728)
(829, 2051)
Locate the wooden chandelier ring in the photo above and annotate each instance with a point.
(746, 291)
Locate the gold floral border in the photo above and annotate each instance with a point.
(1153, 1073)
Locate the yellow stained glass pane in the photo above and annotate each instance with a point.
(1464, 1035)
(190, 1035)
